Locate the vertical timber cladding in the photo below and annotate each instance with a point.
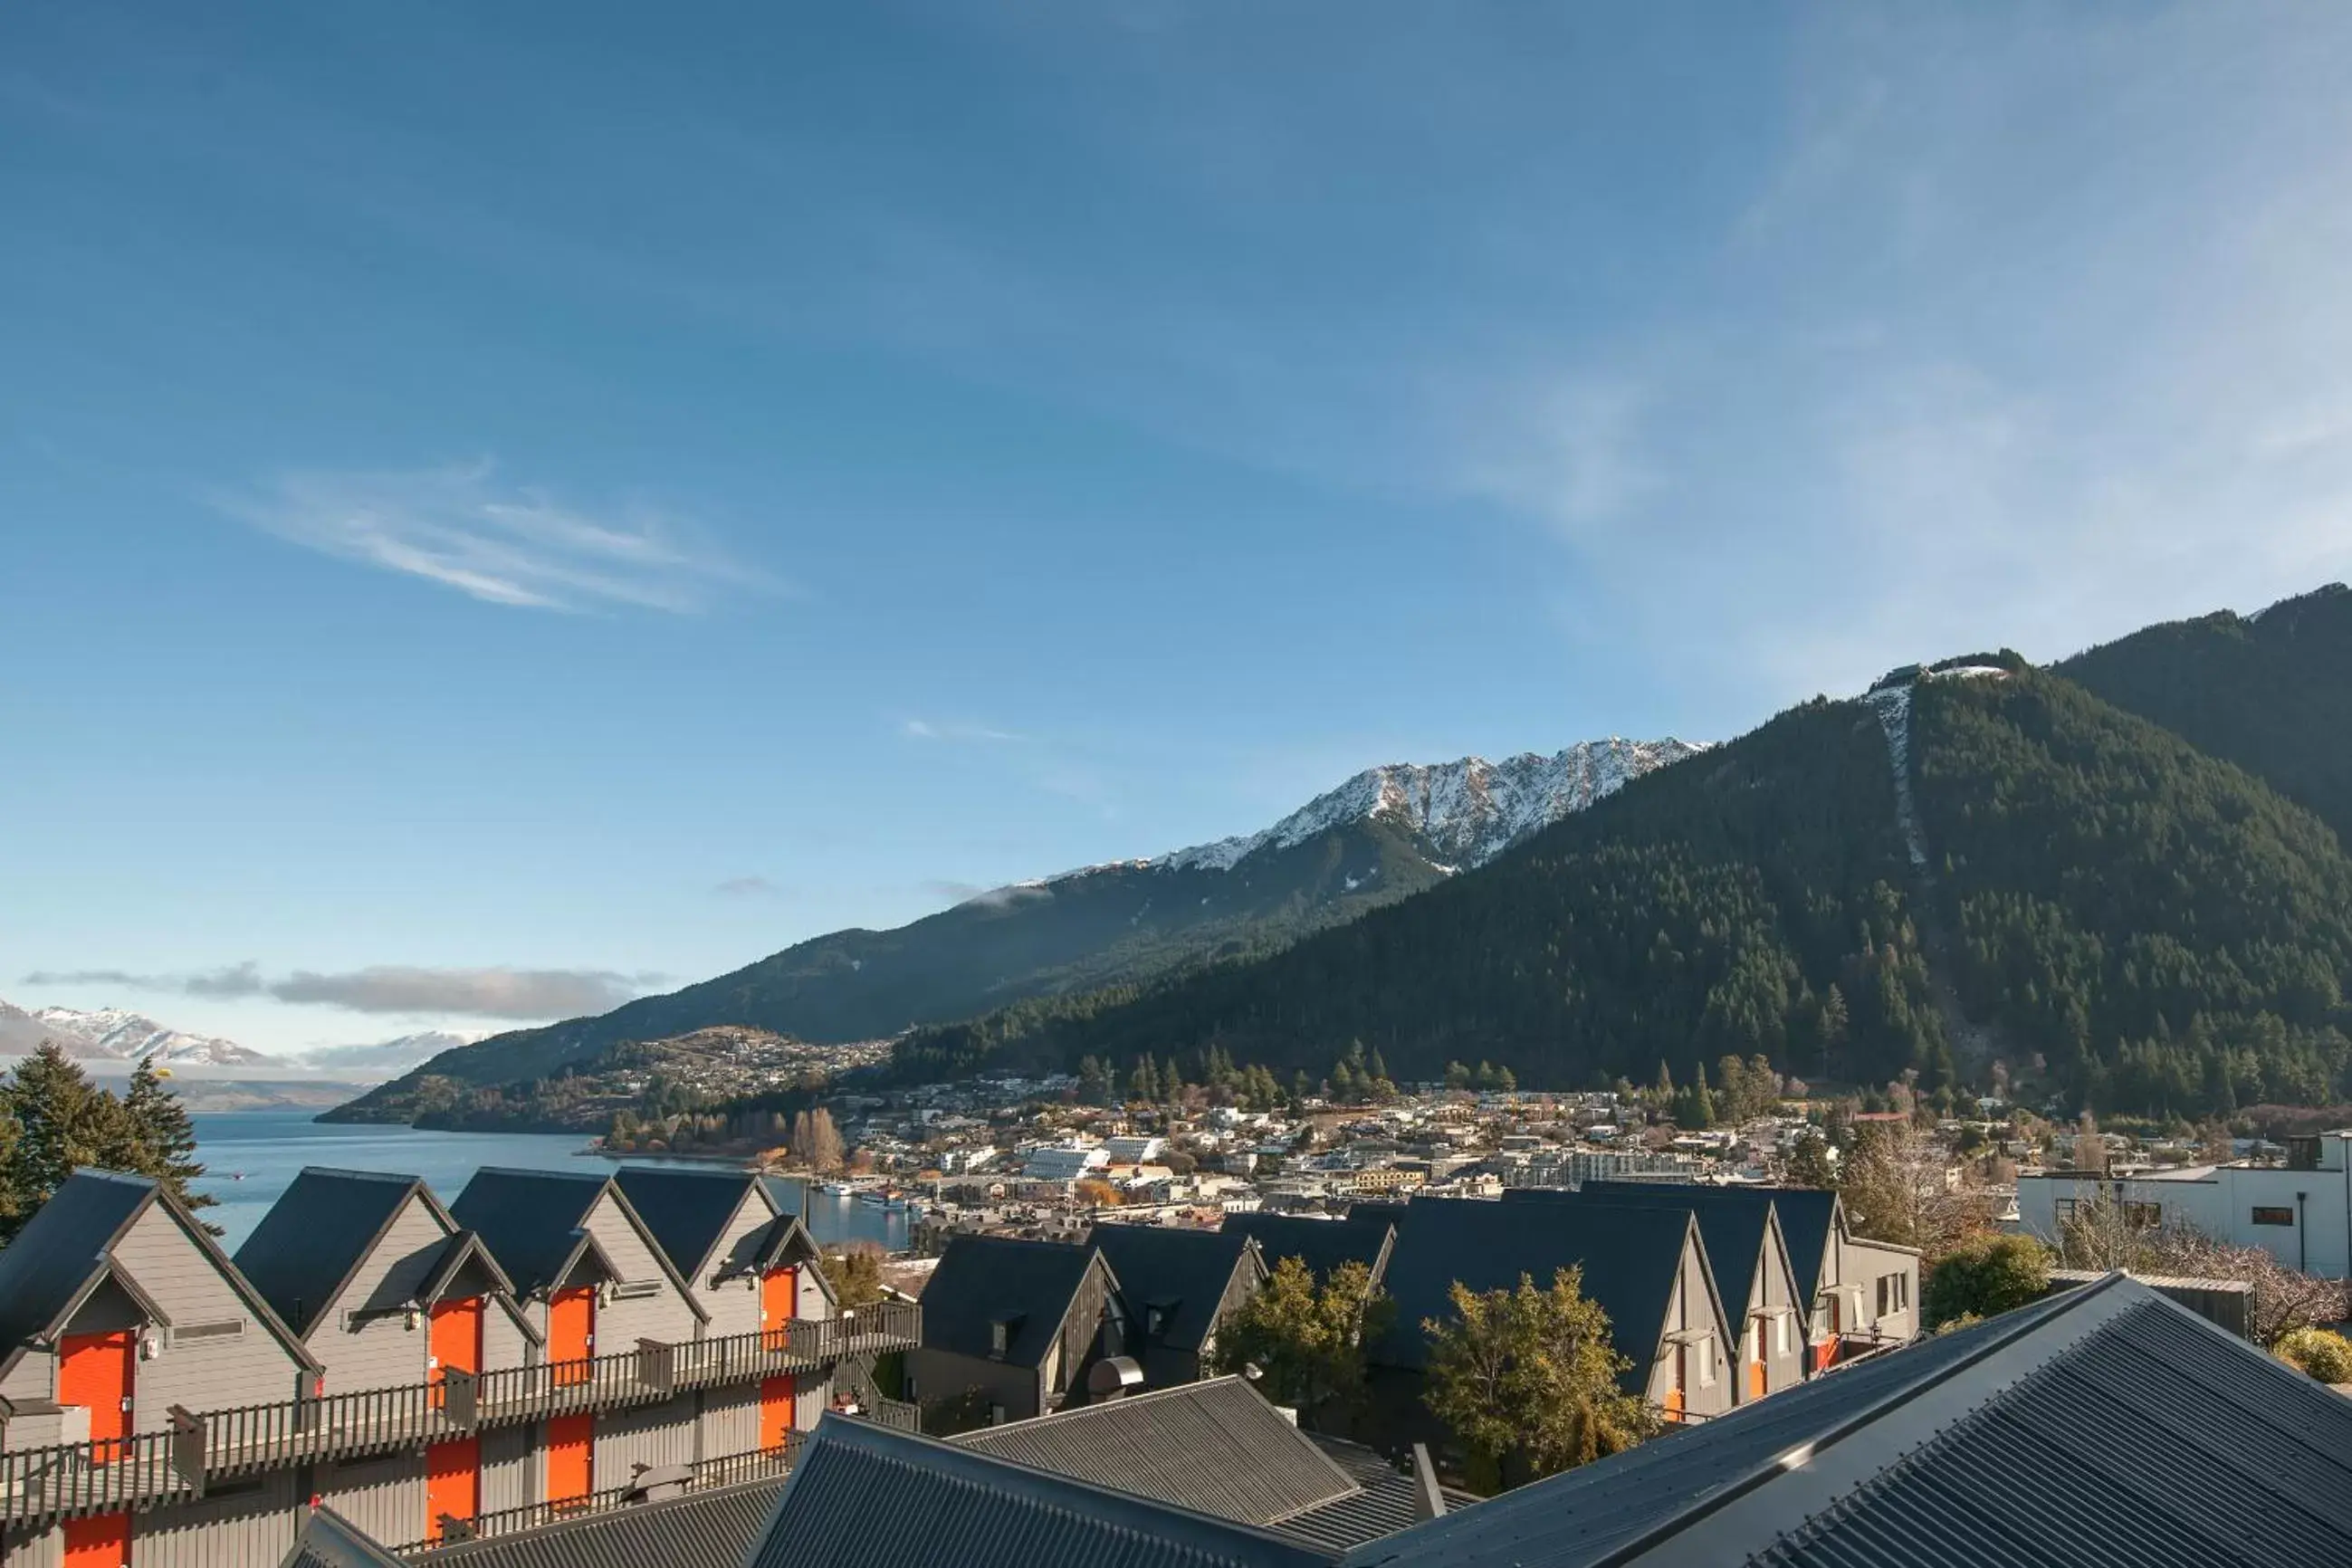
(97, 1371)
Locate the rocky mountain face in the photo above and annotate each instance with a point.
(1382, 836)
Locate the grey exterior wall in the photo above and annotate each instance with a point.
(380, 1351)
(514, 1467)
(649, 1435)
(254, 1368)
(384, 1496)
(620, 1324)
(250, 1525)
(955, 1391)
(21, 1547)
(1087, 1332)
(730, 1419)
(1691, 1309)
(734, 1306)
(1773, 1294)
(1864, 1263)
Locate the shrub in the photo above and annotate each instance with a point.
(2325, 1355)
(1985, 1274)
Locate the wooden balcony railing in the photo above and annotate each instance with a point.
(706, 1474)
(68, 1481)
(72, 1479)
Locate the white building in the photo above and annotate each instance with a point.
(1062, 1163)
(2301, 1210)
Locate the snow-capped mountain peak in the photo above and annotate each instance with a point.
(132, 1036)
(1468, 811)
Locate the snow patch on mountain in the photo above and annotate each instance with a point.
(1893, 706)
(1467, 812)
(120, 1034)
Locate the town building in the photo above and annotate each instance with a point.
(2300, 1211)
(1011, 1331)
(1179, 1287)
(429, 1374)
(1365, 1234)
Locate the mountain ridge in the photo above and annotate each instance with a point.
(1382, 834)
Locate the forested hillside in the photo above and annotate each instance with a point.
(2271, 693)
(2128, 922)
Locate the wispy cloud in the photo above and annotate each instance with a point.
(462, 528)
(747, 888)
(958, 732)
(490, 992)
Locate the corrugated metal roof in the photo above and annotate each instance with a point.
(1808, 1217)
(1321, 1244)
(686, 1210)
(61, 1248)
(1184, 1270)
(1384, 1503)
(529, 1219)
(317, 1232)
(1632, 1259)
(1735, 1235)
(865, 1497)
(1215, 1448)
(701, 1530)
(2102, 1426)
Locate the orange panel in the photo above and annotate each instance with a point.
(571, 1458)
(1756, 1384)
(453, 1483)
(100, 1542)
(97, 1371)
(454, 1338)
(571, 1330)
(778, 1299)
(775, 1411)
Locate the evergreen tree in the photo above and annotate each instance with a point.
(1457, 1077)
(1506, 1080)
(165, 1138)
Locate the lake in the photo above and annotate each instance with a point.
(251, 1157)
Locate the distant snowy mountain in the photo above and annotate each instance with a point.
(125, 1036)
(1465, 812)
(386, 1058)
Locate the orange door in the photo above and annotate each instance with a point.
(96, 1370)
(454, 1340)
(571, 1332)
(1755, 1378)
(1674, 1394)
(100, 1542)
(775, 1411)
(571, 1458)
(778, 1299)
(453, 1483)
(1830, 1345)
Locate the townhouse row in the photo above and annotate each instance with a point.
(1716, 1297)
(552, 1343)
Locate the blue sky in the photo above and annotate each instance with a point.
(506, 505)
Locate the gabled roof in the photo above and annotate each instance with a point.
(2105, 1427)
(1216, 1448)
(1631, 1258)
(1810, 1217)
(982, 1280)
(1184, 1271)
(688, 1211)
(328, 1540)
(535, 1225)
(865, 1497)
(318, 1234)
(1736, 1234)
(65, 1252)
(714, 1528)
(1321, 1244)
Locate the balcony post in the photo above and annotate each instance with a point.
(658, 1365)
(461, 1399)
(188, 1446)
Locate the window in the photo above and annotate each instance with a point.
(2143, 1216)
(2065, 1209)
(996, 1415)
(1894, 1294)
(1781, 1332)
(637, 1290)
(198, 1334)
(1705, 1349)
(1000, 1337)
(2263, 1215)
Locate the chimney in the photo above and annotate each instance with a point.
(1428, 1502)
